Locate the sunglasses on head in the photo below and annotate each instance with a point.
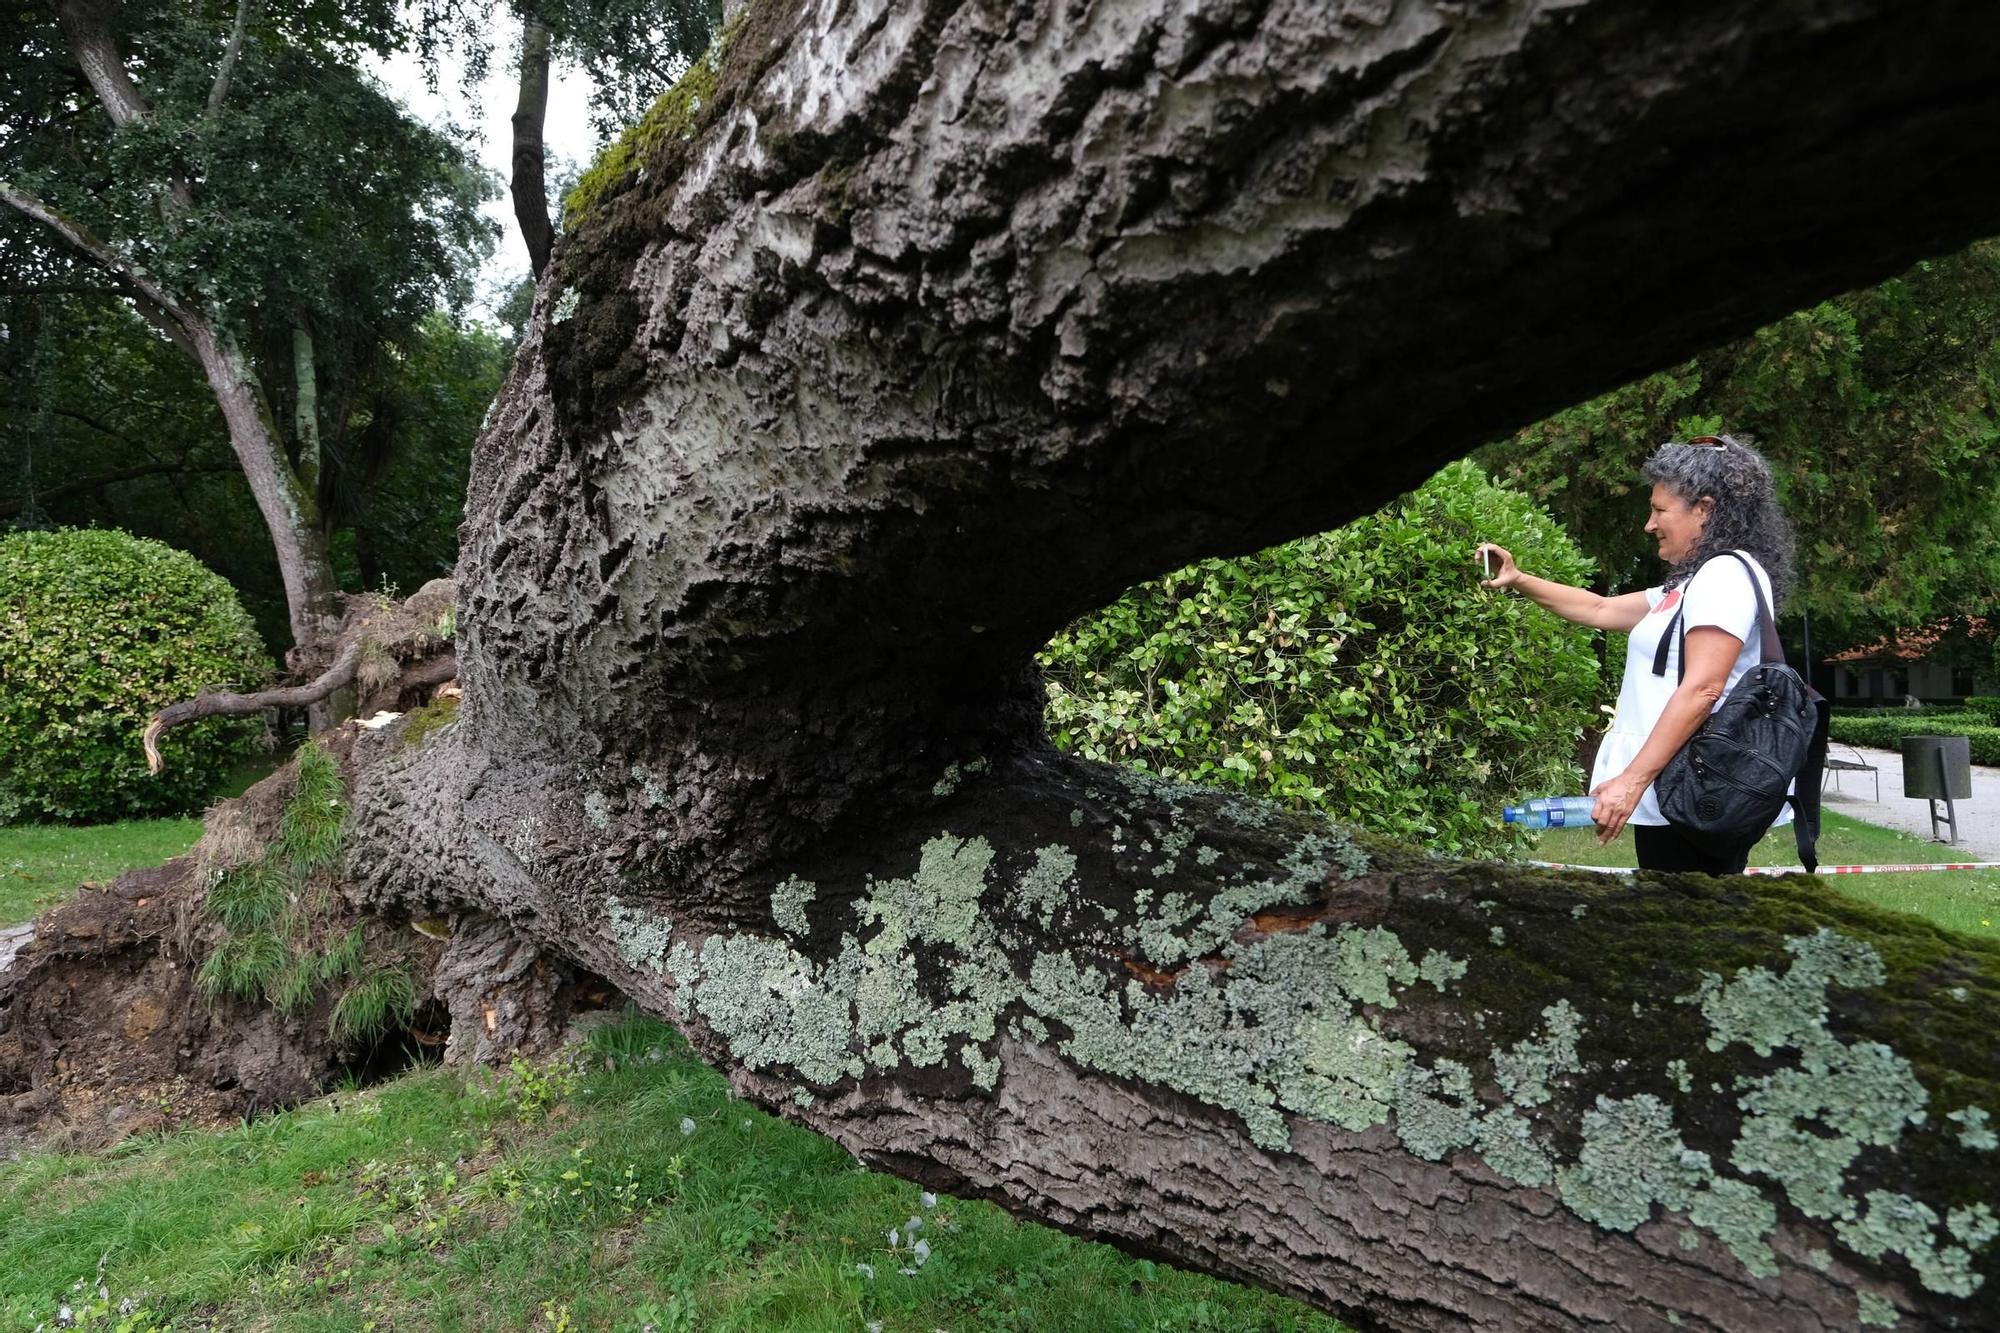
(1708, 442)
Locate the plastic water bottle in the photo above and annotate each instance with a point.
(1552, 812)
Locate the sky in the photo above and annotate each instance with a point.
(484, 124)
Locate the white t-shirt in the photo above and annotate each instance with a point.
(1718, 595)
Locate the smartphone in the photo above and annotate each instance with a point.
(1487, 556)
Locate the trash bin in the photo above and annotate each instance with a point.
(1938, 768)
(1923, 777)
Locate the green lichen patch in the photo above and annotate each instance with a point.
(1895, 1223)
(1632, 1159)
(1876, 1311)
(650, 790)
(640, 935)
(955, 773)
(788, 906)
(1977, 1131)
(1044, 887)
(1528, 1069)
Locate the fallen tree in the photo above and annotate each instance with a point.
(914, 330)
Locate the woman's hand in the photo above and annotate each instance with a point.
(1505, 572)
(1617, 798)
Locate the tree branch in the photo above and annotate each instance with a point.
(88, 28)
(84, 485)
(227, 704)
(89, 32)
(220, 91)
(83, 240)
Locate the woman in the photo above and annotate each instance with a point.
(1711, 495)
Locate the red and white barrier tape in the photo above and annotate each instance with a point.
(1796, 870)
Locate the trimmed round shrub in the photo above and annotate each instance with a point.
(1363, 672)
(99, 630)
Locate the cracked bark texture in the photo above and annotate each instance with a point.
(940, 323)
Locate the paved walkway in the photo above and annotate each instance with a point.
(1978, 818)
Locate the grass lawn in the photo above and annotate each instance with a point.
(632, 1192)
(42, 864)
(1967, 900)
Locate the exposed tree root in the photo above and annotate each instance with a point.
(395, 652)
(241, 977)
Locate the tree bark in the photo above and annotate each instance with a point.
(218, 92)
(288, 507)
(938, 324)
(531, 201)
(305, 411)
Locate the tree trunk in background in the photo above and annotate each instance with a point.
(288, 507)
(290, 512)
(944, 323)
(531, 201)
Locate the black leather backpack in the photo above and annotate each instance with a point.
(1729, 781)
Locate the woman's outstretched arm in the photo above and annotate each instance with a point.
(1577, 605)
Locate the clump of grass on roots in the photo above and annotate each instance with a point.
(309, 970)
(342, 956)
(248, 897)
(438, 713)
(374, 1004)
(243, 966)
(309, 833)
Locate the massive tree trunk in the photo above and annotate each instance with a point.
(940, 323)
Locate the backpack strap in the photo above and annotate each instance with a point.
(1769, 649)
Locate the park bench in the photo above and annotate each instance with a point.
(1834, 767)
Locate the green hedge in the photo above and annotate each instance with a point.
(1363, 672)
(1986, 704)
(98, 630)
(1885, 728)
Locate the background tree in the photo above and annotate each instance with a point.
(632, 51)
(1880, 412)
(232, 174)
(102, 426)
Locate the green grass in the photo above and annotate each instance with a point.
(42, 864)
(376, 1002)
(1967, 900)
(636, 1192)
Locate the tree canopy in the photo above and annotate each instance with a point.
(232, 174)
(1880, 413)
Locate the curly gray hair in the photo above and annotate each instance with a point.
(1746, 516)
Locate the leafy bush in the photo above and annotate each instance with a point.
(98, 630)
(1363, 672)
(1987, 705)
(1885, 728)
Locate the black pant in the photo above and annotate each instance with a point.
(1664, 847)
